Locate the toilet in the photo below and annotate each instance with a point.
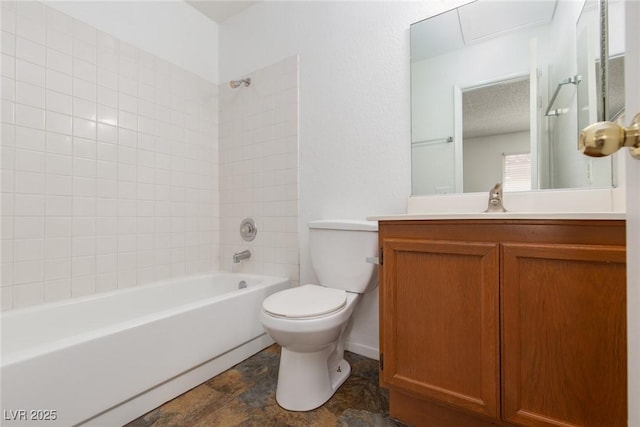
(309, 321)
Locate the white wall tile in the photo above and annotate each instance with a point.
(84, 167)
(106, 115)
(59, 185)
(81, 286)
(57, 227)
(84, 51)
(83, 266)
(84, 128)
(29, 138)
(85, 32)
(8, 91)
(30, 51)
(60, 41)
(84, 187)
(57, 81)
(59, 165)
(84, 207)
(28, 249)
(28, 227)
(91, 181)
(29, 160)
(84, 89)
(27, 271)
(29, 205)
(58, 102)
(83, 246)
(29, 94)
(85, 70)
(84, 109)
(59, 61)
(107, 96)
(59, 206)
(6, 274)
(106, 263)
(8, 112)
(106, 188)
(55, 290)
(59, 143)
(255, 177)
(106, 244)
(29, 182)
(56, 269)
(59, 123)
(8, 21)
(29, 116)
(28, 294)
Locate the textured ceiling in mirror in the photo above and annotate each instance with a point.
(496, 109)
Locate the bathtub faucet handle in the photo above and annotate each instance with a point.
(238, 256)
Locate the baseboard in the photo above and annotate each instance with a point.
(363, 350)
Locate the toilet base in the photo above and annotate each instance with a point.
(307, 380)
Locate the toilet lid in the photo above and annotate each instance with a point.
(305, 301)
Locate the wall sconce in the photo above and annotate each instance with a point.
(605, 138)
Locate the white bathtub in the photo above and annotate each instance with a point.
(106, 359)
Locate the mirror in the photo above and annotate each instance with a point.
(601, 94)
(483, 76)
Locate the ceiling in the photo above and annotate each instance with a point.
(218, 11)
(476, 22)
(496, 109)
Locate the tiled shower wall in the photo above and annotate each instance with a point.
(109, 162)
(259, 170)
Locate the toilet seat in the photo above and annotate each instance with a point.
(303, 302)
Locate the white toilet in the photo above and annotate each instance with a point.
(309, 321)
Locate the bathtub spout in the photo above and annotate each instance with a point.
(238, 256)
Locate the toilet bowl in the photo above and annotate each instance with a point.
(309, 321)
(312, 366)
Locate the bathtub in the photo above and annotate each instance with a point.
(108, 358)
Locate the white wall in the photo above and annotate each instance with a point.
(483, 158)
(354, 108)
(171, 30)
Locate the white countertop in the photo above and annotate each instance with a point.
(602, 204)
(499, 215)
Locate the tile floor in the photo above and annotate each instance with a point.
(245, 396)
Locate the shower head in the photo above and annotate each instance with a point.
(237, 83)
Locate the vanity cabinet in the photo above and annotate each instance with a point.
(504, 322)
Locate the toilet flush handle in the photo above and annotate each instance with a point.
(372, 260)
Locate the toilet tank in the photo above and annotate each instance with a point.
(339, 249)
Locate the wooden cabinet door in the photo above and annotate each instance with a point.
(439, 335)
(564, 335)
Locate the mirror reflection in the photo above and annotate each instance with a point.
(482, 78)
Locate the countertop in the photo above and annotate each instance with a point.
(500, 215)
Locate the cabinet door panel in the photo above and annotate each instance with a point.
(440, 304)
(564, 335)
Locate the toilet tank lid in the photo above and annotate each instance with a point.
(345, 224)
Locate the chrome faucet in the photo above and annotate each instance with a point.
(238, 256)
(495, 199)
